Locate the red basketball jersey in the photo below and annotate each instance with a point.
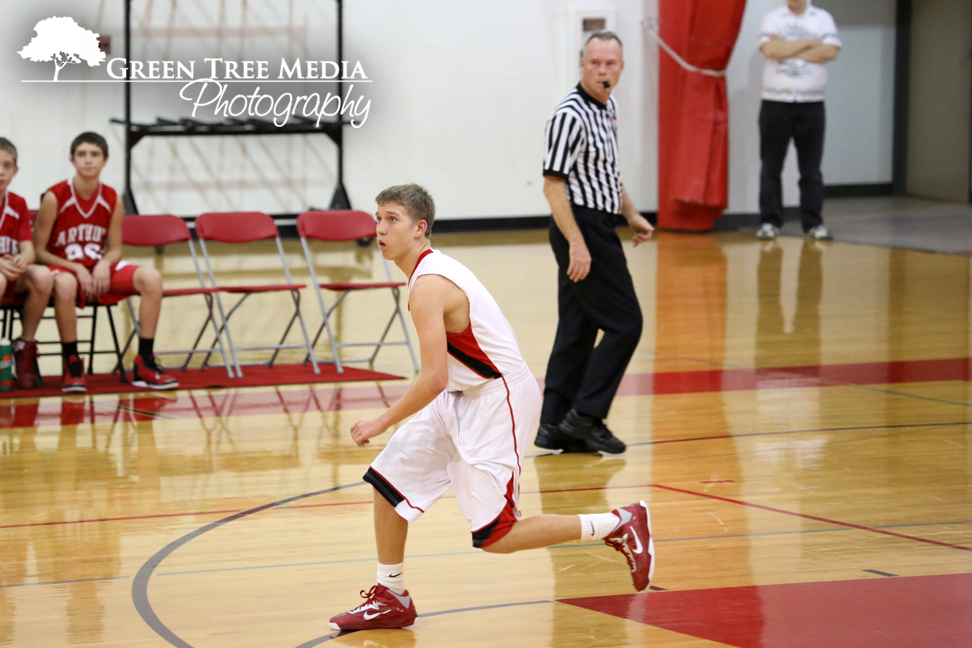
(80, 231)
(14, 224)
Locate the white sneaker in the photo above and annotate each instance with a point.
(767, 232)
(818, 233)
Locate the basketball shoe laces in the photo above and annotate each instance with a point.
(371, 602)
(621, 544)
(153, 364)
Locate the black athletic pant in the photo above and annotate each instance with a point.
(803, 122)
(580, 375)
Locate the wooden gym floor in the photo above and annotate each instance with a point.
(798, 419)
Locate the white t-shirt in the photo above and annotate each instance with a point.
(793, 79)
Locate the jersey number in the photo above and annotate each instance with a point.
(74, 251)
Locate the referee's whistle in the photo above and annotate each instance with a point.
(607, 85)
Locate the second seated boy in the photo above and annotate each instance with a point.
(78, 234)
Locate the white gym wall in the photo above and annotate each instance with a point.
(459, 98)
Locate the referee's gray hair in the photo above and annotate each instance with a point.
(416, 201)
(604, 35)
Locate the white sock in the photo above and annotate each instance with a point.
(598, 526)
(392, 577)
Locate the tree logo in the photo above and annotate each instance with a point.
(63, 41)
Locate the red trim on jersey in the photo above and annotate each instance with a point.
(408, 305)
(464, 348)
(390, 485)
(417, 262)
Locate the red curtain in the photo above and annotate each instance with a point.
(693, 114)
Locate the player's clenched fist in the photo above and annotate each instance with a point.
(364, 429)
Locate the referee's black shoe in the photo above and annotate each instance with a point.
(592, 431)
(551, 438)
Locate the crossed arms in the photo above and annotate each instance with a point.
(808, 49)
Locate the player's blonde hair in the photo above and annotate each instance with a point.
(416, 201)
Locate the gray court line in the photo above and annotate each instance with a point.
(857, 428)
(881, 573)
(325, 638)
(141, 580)
(717, 437)
(916, 396)
(65, 582)
(561, 546)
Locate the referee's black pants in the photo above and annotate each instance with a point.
(580, 375)
(804, 123)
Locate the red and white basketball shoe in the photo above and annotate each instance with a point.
(633, 539)
(382, 608)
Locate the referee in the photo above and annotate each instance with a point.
(582, 183)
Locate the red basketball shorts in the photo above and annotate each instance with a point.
(122, 282)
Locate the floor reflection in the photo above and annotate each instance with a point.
(775, 346)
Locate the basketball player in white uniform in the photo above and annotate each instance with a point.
(475, 404)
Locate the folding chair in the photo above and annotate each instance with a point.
(165, 229)
(249, 227)
(349, 225)
(15, 306)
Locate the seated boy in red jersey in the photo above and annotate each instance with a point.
(18, 274)
(79, 235)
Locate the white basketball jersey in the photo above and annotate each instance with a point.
(488, 348)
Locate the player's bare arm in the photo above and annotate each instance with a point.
(638, 223)
(780, 49)
(429, 302)
(26, 255)
(12, 267)
(555, 191)
(8, 268)
(101, 273)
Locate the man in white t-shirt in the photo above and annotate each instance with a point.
(798, 40)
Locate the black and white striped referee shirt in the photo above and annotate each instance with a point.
(582, 148)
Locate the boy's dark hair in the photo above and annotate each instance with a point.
(416, 201)
(8, 146)
(89, 137)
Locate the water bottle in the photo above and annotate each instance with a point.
(6, 365)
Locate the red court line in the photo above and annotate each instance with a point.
(313, 399)
(870, 373)
(812, 517)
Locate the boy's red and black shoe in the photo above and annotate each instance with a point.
(25, 355)
(73, 381)
(149, 373)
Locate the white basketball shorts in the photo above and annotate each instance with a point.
(473, 441)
